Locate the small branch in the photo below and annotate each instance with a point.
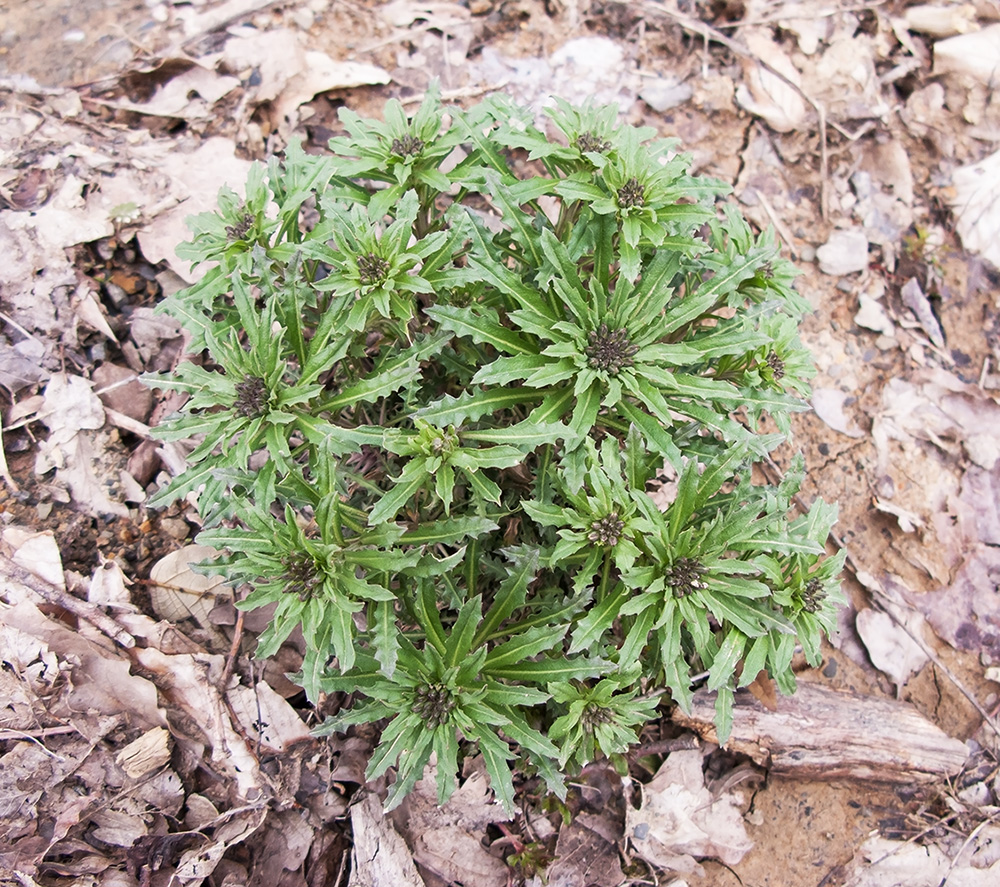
(82, 609)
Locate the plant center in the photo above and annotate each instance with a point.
(251, 397)
(372, 268)
(607, 530)
(684, 576)
(407, 146)
(610, 350)
(434, 703)
(631, 194)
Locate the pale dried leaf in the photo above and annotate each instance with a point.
(976, 55)
(884, 863)
(117, 828)
(976, 204)
(585, 857)
(845, 252)
(829, 406)
(267, 717)
(914, 299)
(192, 680)
(188, 96)
(942, 20)
(680, 820)
(38, 553)
(891, 649)
(179, 593)
(99, 680)
(108, 585)
(147, 753)
(448, 839)
(380, 856)
(766, 95)
(196, 178)
(872, 316)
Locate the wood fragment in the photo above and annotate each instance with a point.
(825, 734)
(12, 571)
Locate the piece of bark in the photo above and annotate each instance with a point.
(820, 733)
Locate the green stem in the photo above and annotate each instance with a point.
(602, 591)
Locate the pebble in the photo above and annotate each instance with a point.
(175, 528)
(844, 253)
(74, 36)
(665, 93)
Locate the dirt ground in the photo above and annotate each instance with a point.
(848, 128)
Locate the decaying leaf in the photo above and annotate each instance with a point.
(884, 863)
(680, 820)
(829, 406)
(179, 592)
(891, 649)
(767, 95)
(267, 717)
(147, 753)
(447, 840)
(976, 204)
(380, 855)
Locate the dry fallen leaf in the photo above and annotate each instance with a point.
(891, 649)
(681, 821)
(767, 95)
(179, 593)
(380, 856)
(976, 205)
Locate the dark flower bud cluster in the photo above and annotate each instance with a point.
(407, 146)
(252, 397)
(594, 714)
(589, 142)
(631, 194)
(302, 575)
(777, 366)
(372, 268)
(607, 530)
(610, 350)
(684, 576)
(813, 596)
(434, 703)
(240, 230)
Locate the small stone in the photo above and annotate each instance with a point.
(130, 398)
(665, 93)
(844, 253)
(116, 294)
(175, 528)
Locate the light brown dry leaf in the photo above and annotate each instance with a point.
(585, 857)
(938, 407)
(891, 649)
(943, 20)
(190, 95)
(267, 717)
(379, 856)
(845, 81)
(147, 753)
(884, 863)
(914, 299)
(976, 205)
(829, 406)
(197, 864)
(975, 55)
(680, 820)
(179, 593)
(195, 178)
(191, 680)
(38, 553)
(766, 95)
(99, 682)
(447, 840)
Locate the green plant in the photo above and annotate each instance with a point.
(439, 371)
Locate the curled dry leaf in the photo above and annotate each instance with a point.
(976, 205)
(147, 753)
(179, 593)
(829, 406)
(267, 717)
(681, 821)
(380, 855)
(767, 95)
